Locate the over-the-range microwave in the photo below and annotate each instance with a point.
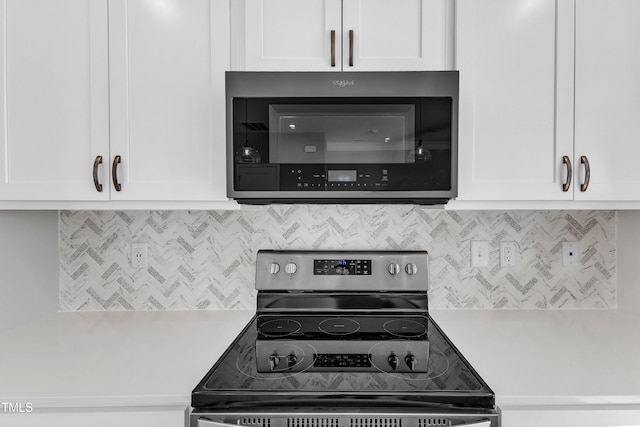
(365, 137)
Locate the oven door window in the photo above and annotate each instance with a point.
(342, 144)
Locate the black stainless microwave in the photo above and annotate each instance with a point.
(318, 137)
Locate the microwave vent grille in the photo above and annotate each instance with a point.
(255, 126)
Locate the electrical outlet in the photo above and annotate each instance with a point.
(479, 253)
(139, 255)
(570, 254)
(508, 254)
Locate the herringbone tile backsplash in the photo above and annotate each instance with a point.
(205, 259)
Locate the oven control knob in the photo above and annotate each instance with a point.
(411, 362)
(274, 268)
(411, 269)
(393, 361)
(291, 360)
(291, 268)
(273, 361)
(393, 269)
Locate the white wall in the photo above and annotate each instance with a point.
(628, 260)
(29, 266)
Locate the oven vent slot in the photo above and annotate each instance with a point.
(255, 126)
(255, 422)
(428, 422)
(376, 422)
(312, 422)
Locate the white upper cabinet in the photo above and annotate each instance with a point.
(167, 63)
(348, 35)
(54, 118)
(135, 80)
(516, 98)
(546, 84)
(291, 34)
(607, 98)
(400, 35)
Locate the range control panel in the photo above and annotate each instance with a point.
(342, 360)
(342, 355)
(399, 271)
(341, 267)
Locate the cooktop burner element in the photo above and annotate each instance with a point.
(405, 328)
(339, 326)
(353, 344)
(279, 327)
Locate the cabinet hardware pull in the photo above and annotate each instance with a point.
(350, 48)
(587, 173)
(114, 173)
(333, 48)
(96, 162)
(567, 161)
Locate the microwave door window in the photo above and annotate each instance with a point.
(335, 134)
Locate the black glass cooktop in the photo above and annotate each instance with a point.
(235, 382)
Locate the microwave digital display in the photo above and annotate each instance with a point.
(342, 176)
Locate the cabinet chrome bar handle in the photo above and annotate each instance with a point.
(333, 48)
(567, 161)
(587, 173)
(114, 173)
(350, 48)
(96, 163)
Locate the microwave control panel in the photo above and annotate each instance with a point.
(309, 177)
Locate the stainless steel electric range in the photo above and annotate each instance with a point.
(342, 339)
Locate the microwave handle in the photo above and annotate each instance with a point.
(350, 48)
(333, 48)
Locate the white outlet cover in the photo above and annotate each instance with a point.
(508, 254)
(139, 255)
(570, 254)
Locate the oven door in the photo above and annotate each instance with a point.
(445, 417)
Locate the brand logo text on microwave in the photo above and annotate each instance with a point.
(343, 83)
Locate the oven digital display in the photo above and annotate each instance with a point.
(341, 360)
(342, 267)
(342, 176)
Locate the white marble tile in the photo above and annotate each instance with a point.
(205, 259)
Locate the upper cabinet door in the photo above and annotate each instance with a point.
(516, 98)
(167, 63)
(342, 35)
(290, 35)
(399, 35)
(607, 104)
(54, 118)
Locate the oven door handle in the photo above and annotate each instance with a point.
(202, 422)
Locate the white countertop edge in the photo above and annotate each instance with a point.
(513, 402)
(136, 402)
(61, 402)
